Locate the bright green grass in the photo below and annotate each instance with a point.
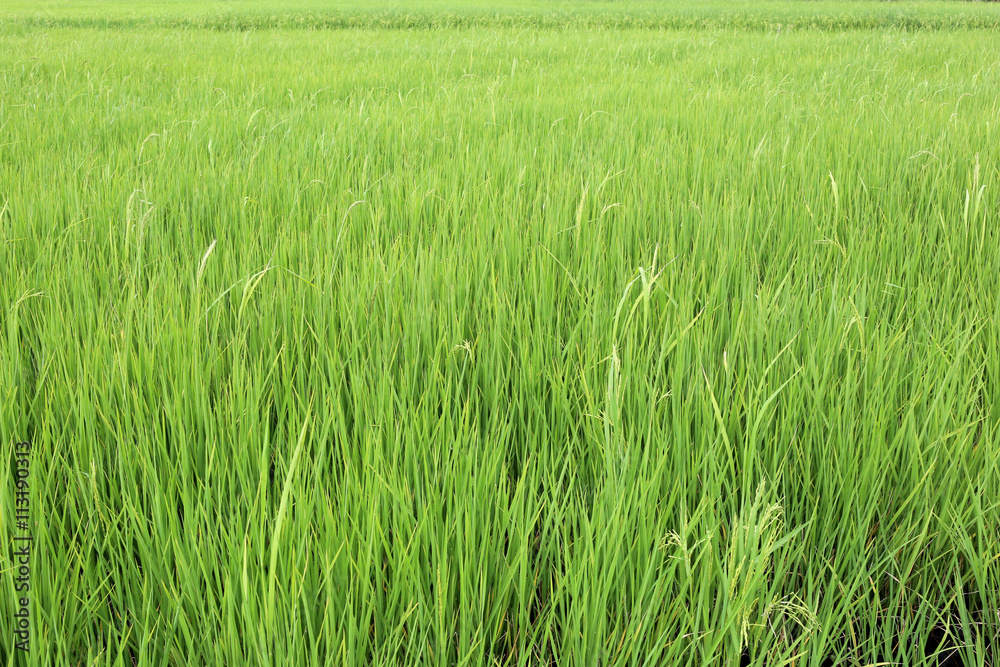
(422, 14)
(520, 346)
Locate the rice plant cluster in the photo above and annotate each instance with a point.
(537, 334)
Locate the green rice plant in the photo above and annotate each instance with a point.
(464, 334)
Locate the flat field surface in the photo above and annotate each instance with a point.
(551, 333)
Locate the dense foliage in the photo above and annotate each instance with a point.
(524, 339)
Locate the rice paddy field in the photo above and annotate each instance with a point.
(550, 333)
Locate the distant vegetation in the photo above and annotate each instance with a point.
(744, 15)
